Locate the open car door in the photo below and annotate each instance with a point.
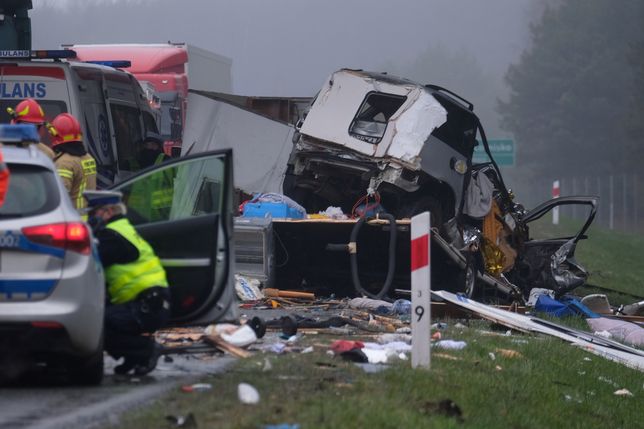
(183, 208)
(548, 257)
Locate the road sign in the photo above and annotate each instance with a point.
(503, 152)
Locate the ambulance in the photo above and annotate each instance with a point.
(110, 104)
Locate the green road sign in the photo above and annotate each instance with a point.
(503, 152)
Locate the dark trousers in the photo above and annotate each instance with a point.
(125, 324)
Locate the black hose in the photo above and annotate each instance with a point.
(392, 258)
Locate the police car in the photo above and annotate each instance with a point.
(109, 103)
(51, 281)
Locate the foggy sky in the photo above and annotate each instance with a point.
(288, 47)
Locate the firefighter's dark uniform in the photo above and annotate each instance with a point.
(137, 290)
(77, 169)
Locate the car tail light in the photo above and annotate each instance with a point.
(70, 236)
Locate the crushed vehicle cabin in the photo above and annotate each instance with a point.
(409, 147)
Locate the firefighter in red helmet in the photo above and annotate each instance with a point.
(75, 166)
(30, 112)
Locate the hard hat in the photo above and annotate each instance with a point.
(27, 111)
(65, 129)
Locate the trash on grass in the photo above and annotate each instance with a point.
(247, 394)
(623, 392)
(198, 387)
(188, 421)
(371, 368)
(509, 353)
(598, 303)
(282, 426)
(450, 344)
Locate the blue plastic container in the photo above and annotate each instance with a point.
(281, 210)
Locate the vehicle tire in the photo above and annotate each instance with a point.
(468, 283)
(87, 371)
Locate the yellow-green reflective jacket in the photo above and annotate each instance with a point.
(126, 281)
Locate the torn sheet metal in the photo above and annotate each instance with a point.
(597, 345)
(413, 125)
(335, 112)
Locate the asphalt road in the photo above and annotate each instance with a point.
(44, 404)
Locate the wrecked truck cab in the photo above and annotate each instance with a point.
(375, 132)
(410, 146)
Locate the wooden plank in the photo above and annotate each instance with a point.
(222, 345)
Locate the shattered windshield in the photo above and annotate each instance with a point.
(370, 123)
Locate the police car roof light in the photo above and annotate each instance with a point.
(18, 133)
(117, 64)
(39, 54)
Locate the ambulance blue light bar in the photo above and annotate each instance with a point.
(40, 54)
(18, 133)
(117, 64)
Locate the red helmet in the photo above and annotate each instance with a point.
(27, 111)
(65, 129)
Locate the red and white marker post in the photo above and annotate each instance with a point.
(555, 194)
(420, 290)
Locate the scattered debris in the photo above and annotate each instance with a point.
(188, 421)
(248, 288)
(608, 349)
(276, 293)
(508, 353)
(450, 344)
(623, 392)
(198, 387)
(621, 330)
(247, 394)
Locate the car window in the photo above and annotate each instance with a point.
(571, 219)
(178, 190)
(370, 122)
(32, 191)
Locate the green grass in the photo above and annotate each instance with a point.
(615, 260)
(553, 385)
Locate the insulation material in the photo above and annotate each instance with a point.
(620, 330)
(414, 125)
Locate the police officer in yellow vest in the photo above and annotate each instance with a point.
(137, 288)
(75, 166)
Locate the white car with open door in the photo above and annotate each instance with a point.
(184, 209)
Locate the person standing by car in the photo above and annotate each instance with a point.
(28, 111)
(137, 288)
(75, 166)
(152, 150)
